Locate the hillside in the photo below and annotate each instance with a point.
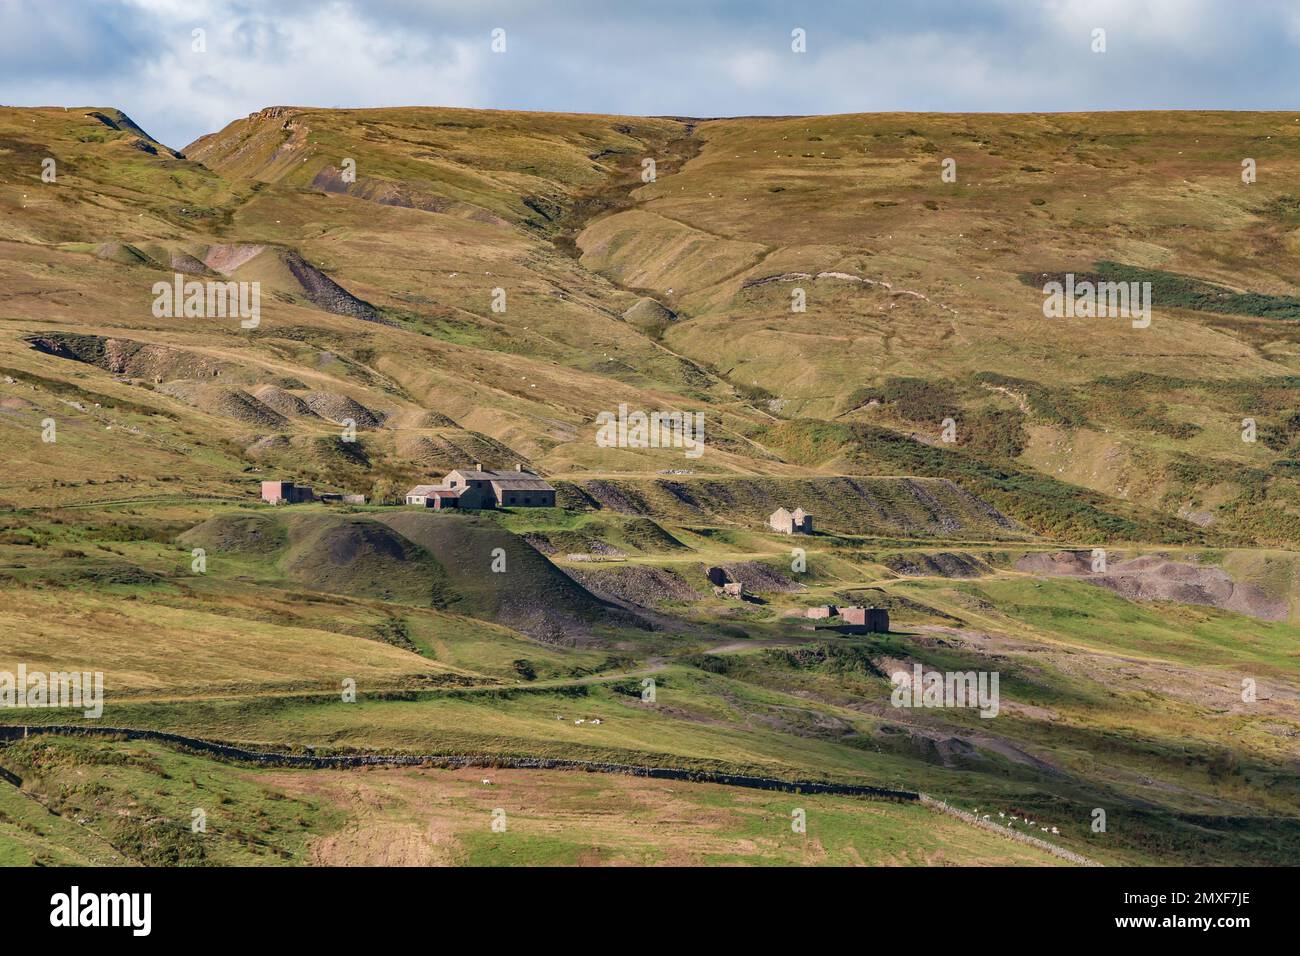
(675, 294)
(1067, 503)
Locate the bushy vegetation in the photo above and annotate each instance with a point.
(1052, 406)
(1172, 290)
(997, 433)
(919, 400)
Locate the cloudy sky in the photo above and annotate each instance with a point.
(681, 57)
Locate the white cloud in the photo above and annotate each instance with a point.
(676, 56)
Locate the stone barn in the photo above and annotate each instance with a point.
(790, 522)
(863, 620)
(285, 493)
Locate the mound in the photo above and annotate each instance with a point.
(124, 253)
(335, 553)
(361, 557)
(757, 578)
(184, 262)
(649, 315)
(237, 534)
(944, 564)
(647, 535)
(126, 357)
(178, 260)
(432, 419)
(637, 584)
(530, 595)
(615, 497)
(285, 270)
(1058, 562)
(573, 543)
(232, 403)
(325, 293)
(1156, 578)
(227, 257)
(337, 408)
(286, 403)
(1152, 578)
(452, 449)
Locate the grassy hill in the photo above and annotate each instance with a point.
(445, 561)
(378, 292)
(442, 286)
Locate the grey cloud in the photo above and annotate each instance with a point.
(671, 56)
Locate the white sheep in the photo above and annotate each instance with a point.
(596, 720)
(487, 782)
(578, 721)
(1055, 831)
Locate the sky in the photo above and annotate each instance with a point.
(658, 57)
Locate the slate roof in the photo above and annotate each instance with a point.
(425, 490)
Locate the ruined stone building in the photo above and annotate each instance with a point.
(863, 620)
(285, 492)
(791, 522)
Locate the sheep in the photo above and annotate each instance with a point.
(1055, 831)
(596, 720)
(487, 782)
(578, 722)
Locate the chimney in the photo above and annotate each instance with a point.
(519, 466)
(478, 466)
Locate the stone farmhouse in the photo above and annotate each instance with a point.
(791, 522)
(478, 487)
